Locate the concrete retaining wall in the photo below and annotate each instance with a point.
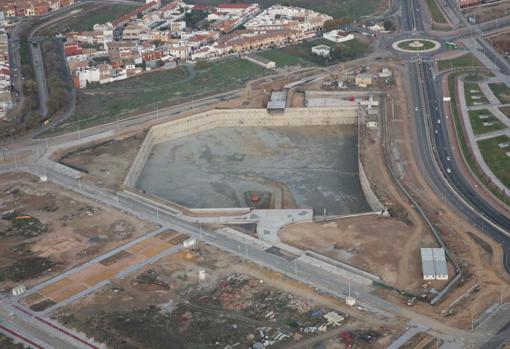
(370, 196)
(139, 161)
(236, 118)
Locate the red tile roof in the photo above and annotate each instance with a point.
(227, 6)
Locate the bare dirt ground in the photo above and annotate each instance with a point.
(101, 271)
(506, 111)
(45, 229)
(478, 255)
(373, 243)
(108, 162)
(234, 303)
(501, 42)
(488, 12)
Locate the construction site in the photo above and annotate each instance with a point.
(323, 155)
(46, 230)
(294, 167)
(203, 298)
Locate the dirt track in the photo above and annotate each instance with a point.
(373, 243)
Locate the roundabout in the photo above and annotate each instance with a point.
(416, 45)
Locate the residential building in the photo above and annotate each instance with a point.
(338, 36)
(28, 8)
(280, 17)
(321, 50)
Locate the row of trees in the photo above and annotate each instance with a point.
(59, 88)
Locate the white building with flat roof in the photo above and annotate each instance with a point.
(433, 264)
(427, 264)
(440, 264)
(338, 36)
(321, 50)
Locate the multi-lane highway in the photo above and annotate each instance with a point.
(434, 146)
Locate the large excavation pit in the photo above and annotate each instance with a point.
(263, 167)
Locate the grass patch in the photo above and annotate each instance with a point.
(24, 51)
(474, 94)
(477, 124)
(496, 158)
(436, 13)
(88, 16)
(99, 104)
(465, 61)
(468, 156)
(335, 8)
(406, 45)
(283, 57)
(302, 53)
(501, 91)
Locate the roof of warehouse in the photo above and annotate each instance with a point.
(427, 261)
(440, 261)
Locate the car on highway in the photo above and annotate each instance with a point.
(448, 170)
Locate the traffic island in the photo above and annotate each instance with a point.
(416, 45)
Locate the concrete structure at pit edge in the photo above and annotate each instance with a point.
(247, 118)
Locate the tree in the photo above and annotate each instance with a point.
(388, 25)
(32, 119)
(30, 86)
(329, 25)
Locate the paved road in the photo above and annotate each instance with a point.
(433, 148)
(37, 333)
(314, 274)
(406, 336)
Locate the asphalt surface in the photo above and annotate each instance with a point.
(434, 147)
(434, 151)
